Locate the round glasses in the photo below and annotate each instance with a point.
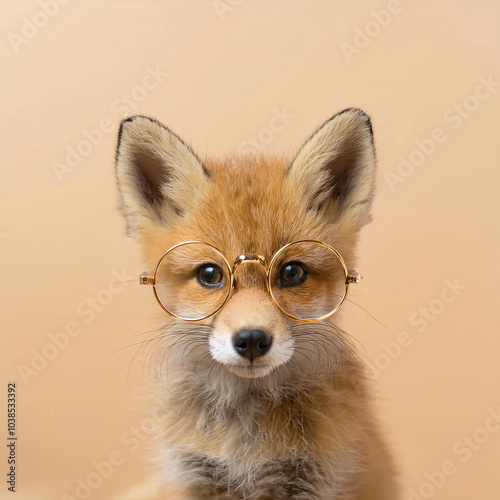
(307, 280)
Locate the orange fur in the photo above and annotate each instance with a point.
(303, 428)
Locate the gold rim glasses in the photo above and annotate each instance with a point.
(307, 280)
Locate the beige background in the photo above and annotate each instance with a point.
(229, 70)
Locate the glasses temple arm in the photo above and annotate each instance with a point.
(144, 279)
(353, 277)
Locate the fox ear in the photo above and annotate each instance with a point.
(159, 176)
(334, 172)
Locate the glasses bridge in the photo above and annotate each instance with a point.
(250, 258)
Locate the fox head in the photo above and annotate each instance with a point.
(250, 205)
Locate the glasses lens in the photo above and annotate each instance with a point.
(192, 281)
(308, 280)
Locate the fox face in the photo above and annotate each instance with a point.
(242, 290)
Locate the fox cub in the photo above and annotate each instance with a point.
(263, 396)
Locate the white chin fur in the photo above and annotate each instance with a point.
(250, 371)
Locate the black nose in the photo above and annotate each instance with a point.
(252, 343)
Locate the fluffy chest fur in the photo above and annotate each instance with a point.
(302, 443)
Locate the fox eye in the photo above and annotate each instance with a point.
(292, 274)
(210, 275)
